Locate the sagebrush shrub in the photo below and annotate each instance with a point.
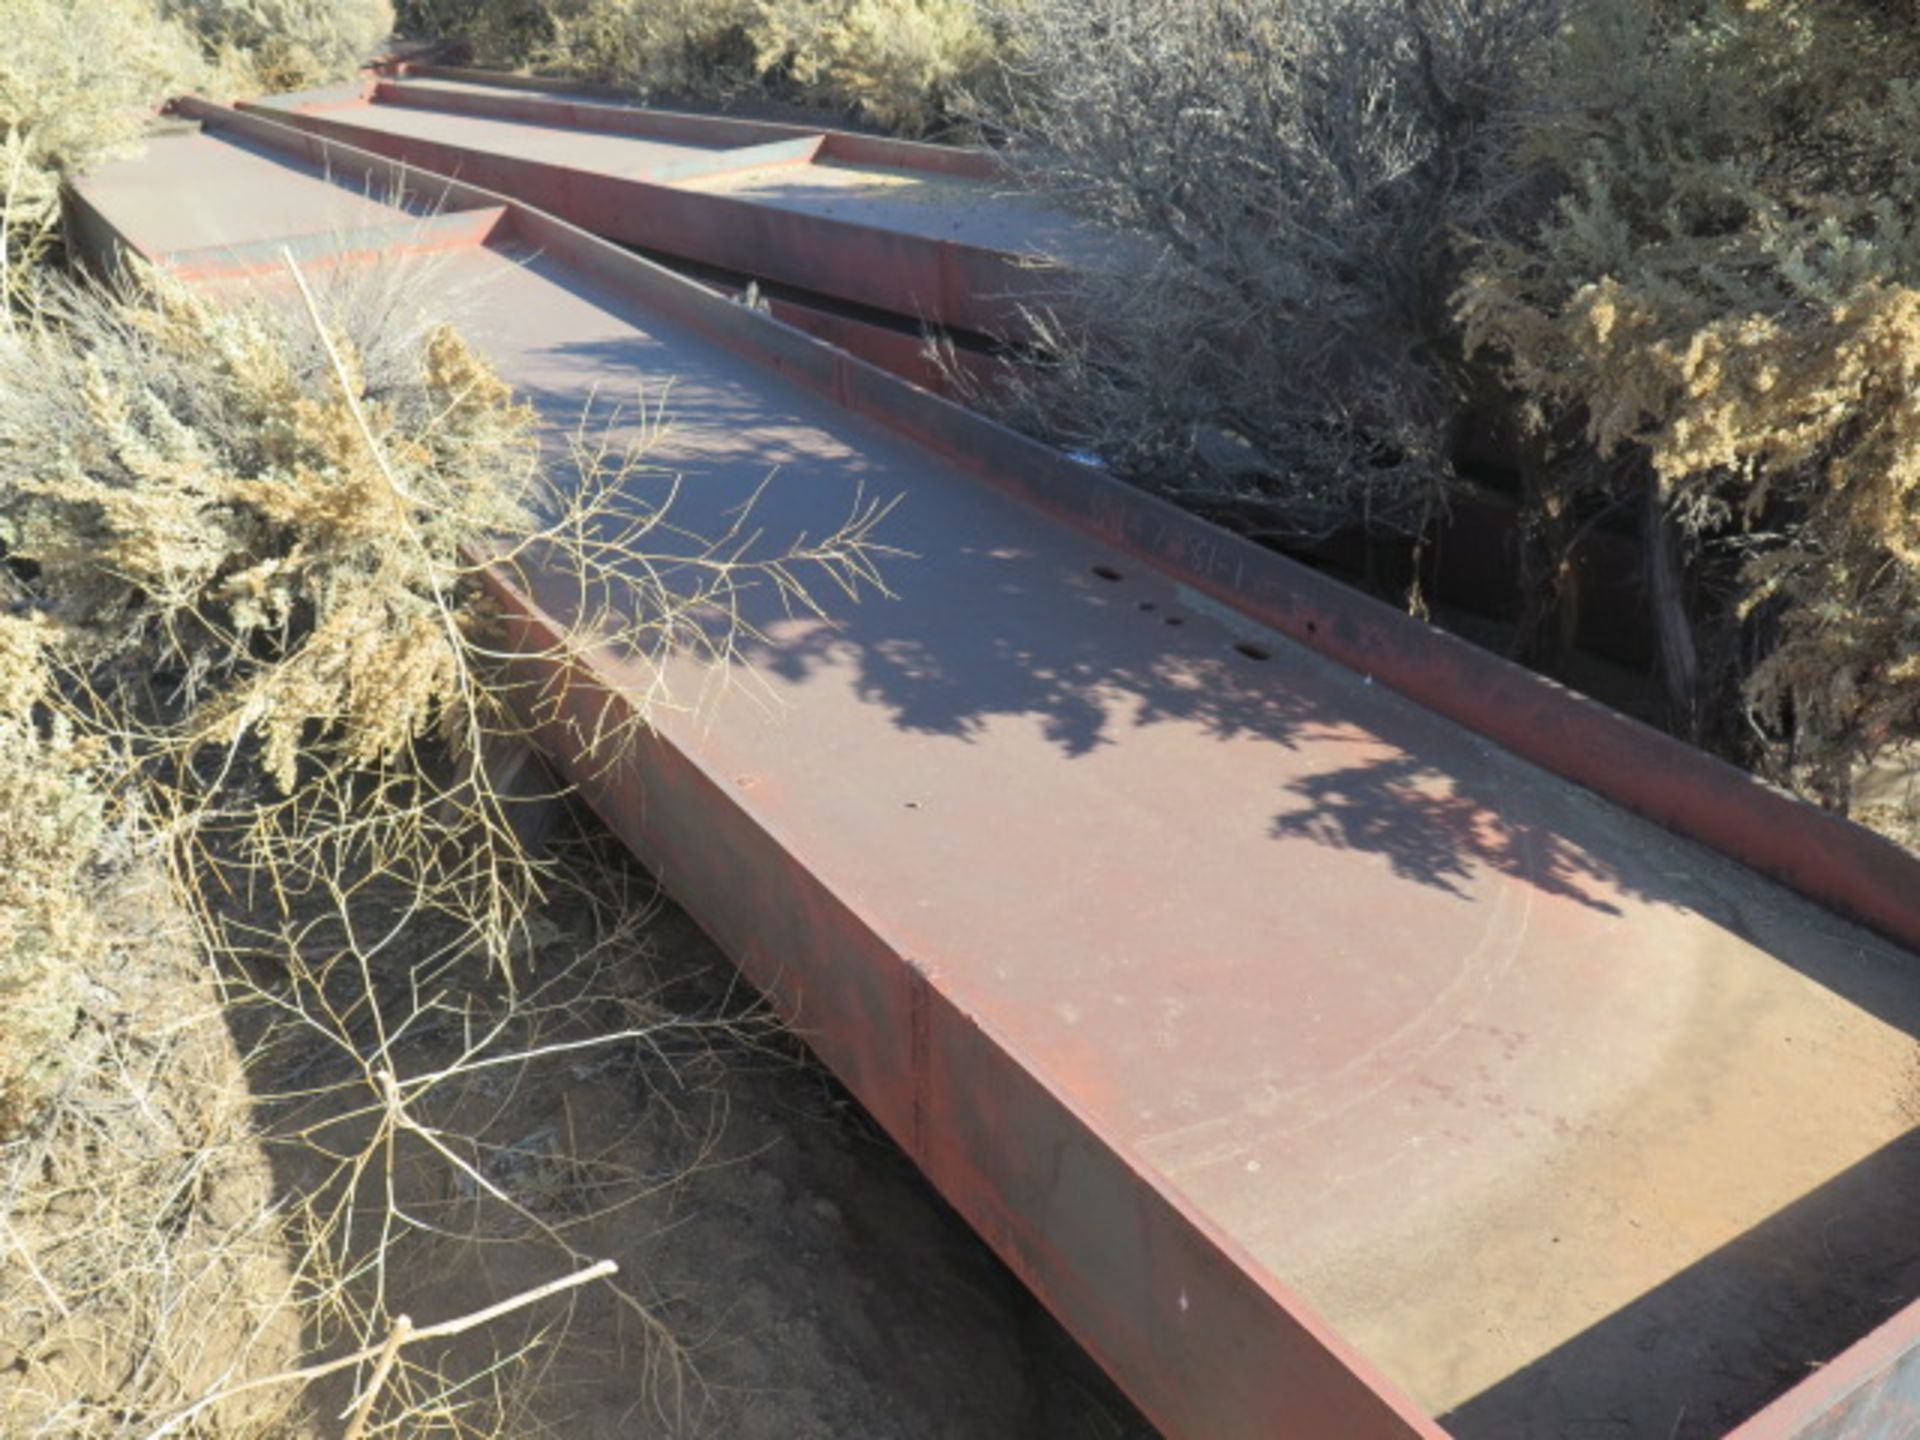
(1721, 306)
(290, 43)
(199, 496)
(675, 47)
(1274, 340)
(52, 831)
(75, 79)
(254, 544)
(258, 530)
(903, 63)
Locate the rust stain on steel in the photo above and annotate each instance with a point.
(1315, 1059)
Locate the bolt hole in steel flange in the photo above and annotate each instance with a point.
(1107, 572)
(1148, 605)
(1254, 652)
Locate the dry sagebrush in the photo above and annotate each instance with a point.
(252, 693)
(145, 1259)
(1274, 342)
(51, 842)
(79, 80)
(1722, 308)
(259, 531)
(75, 79)
(248, 534)
(289, 43)
(901, 63)
(905, 64)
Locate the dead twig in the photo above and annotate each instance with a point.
(404, 1333)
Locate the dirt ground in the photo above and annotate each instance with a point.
(820, 1288)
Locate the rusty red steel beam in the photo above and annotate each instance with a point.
(417, 235)
(1872, 1392)
(1477, 539)
(511, 97)
(1821, 854)
(1145, 1254)
(653, 200)
(686, 822)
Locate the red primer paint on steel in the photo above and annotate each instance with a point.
(963, 286)
(970, 1118)
(429, 235)
(1871, 1392)
(1820, 854)
(1201, 1336)
(946, 1088)
(514, 97)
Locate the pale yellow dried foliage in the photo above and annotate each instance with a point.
(1727, 294)
(80, 80)
(262, 530)
(290, 43)
(25, 676)
(254, 541)
(75, 79)
(902, 63)
(146, 1260)
(655, 47)
(252, 694)
(52, 828)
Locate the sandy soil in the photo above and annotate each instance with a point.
(821, 1289)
